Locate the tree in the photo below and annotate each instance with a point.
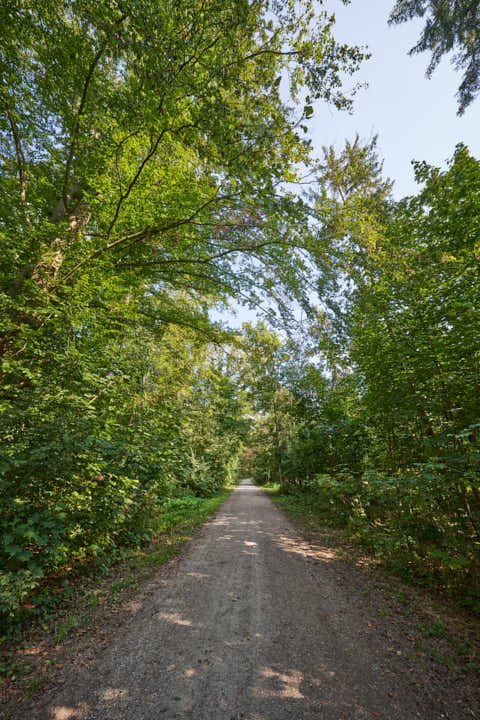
(451, 25)
(146, 143)
(387, 440)
(401, 309)
(262, 377)
(144, 148)
(425, 299)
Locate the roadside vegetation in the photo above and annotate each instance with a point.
(144, 148)
(154, 159)
(438, 633)
(370, 415)
(76, 608)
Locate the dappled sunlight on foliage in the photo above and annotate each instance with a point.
(371, 417)
(146, 150)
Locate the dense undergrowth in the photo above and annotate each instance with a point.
(81, 486)
(68, 602)
(403, 522)
(43, 551)
(371, 414)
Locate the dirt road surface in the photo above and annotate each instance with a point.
(253, 623)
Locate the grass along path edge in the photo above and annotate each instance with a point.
(92, 603)
(439, 631)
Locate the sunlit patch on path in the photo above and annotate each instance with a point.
(252, 623)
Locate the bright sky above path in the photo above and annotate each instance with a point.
(415, 118)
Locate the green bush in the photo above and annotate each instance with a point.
(422, 523)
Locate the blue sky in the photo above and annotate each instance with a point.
(415, 118)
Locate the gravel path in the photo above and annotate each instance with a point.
(251, 623)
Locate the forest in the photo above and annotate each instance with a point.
(153, 157)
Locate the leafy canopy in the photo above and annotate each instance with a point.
(451, 25)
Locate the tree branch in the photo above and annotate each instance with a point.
(22, 166)
(208, 261)
(142, 234)
(80, 110)
(133, 182)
